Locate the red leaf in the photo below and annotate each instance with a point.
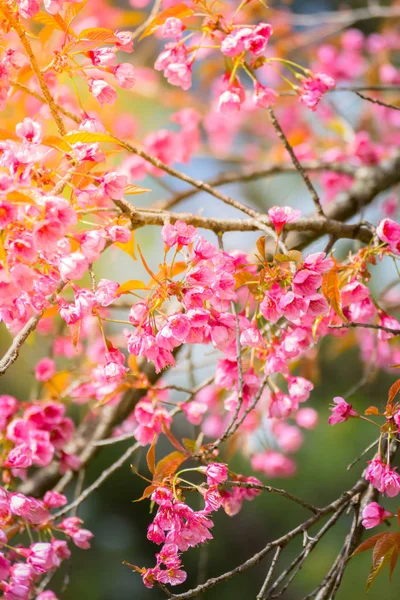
(368, 544)
(173, 440)
(393, 391)
(393, 561)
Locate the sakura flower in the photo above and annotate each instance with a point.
(29, 130)
(374, 473)
(314, 87)
(20, 457)
(216, 473)
(280, 215)
(292, 306)
(41, 557)
(125, 75)
(180, 233)
(28, 508)
(374, 515)
(341, 412)
(53, 499)
(264, 97)
(8, 213)
(45, 369)
(194, 411)
(389, 231)
(390, 482)
(307, 418)
(102, 91)
(173, 27)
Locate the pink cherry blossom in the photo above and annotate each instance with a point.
(341, 411)
(280, 215)
(374, 515)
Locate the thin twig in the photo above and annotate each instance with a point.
(261, 593)
(296, 162)
(376, 101)
(96, 484)
(366, 326)
(273, 490)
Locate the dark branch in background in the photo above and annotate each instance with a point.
(255, 173)
(368, 183)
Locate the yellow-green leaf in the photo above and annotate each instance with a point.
(131, 190)
(91, 137)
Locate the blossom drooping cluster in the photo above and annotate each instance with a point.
(178, 527)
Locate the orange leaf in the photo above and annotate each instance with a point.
(132, 284)
(146, 266)
(372, 410)
(330, 289)
(19, 197)
(151, 457)
(178, 268)
(180, 11)
(147, 492)
(129, 246)
(260, 243)
(97, 34)
(393, 391)
(75, 333)
(168, 465)
(50, 312)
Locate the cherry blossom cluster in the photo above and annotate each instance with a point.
(178, 527)
(22, 568)
(261, 314)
